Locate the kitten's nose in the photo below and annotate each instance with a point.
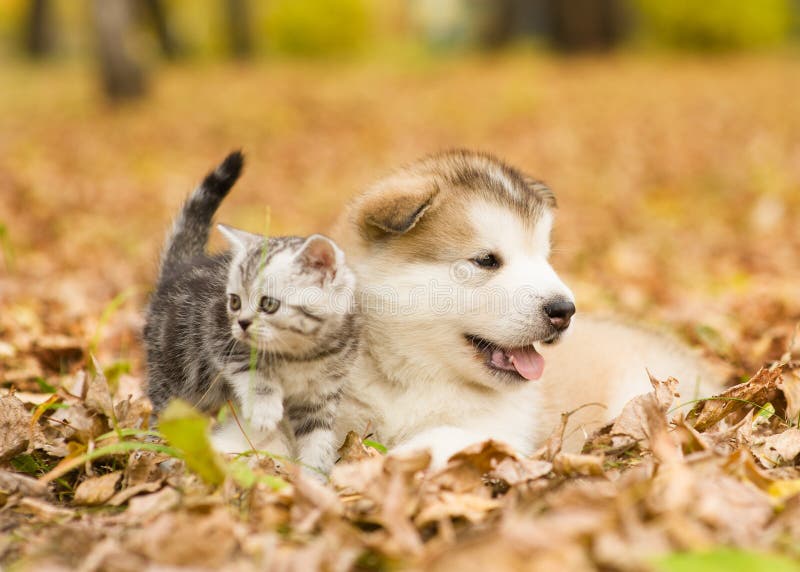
(244, 324)
(560, 313)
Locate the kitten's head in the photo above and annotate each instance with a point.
(286, 295)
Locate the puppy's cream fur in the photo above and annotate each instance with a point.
(418, 382)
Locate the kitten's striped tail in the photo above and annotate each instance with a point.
(190, 231)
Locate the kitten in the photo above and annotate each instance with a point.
(269, 323)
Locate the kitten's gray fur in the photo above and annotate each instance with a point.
(284, 347)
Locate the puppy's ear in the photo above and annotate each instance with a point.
(541, 191)
(394, 206)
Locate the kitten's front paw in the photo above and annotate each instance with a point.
(266, 414)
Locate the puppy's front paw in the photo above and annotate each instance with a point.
(266, 413)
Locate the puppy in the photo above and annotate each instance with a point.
(463, 316)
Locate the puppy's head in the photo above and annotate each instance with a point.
(452, 259)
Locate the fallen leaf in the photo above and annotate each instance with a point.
(353, 449)
(517, 471)
(98, 397)
(466, 469)
(15, 483)
(43, 510)
(146, 507)
(187, 539)
(14, 427)
(631, 426)
(756, 392)
(570, 464)
(779, 449)
(474, 508)
(126, 494)
(97, 490)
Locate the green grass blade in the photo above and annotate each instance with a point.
(186, 429)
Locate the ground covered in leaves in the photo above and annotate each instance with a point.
(677, 183)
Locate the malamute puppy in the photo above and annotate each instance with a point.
(463, 316)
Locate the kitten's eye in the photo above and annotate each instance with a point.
(235, 303)
(487, 260)
(269, 305)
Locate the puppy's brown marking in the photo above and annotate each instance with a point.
(423, 208)
(393, 206)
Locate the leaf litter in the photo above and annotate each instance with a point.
(706, 486)
(87, 486)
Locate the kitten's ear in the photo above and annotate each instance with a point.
(238, 239)
(318, 254)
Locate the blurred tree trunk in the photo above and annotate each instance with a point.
(122, 76)
(239, 32)
(157, 13)
(586, 24)
(496, 24)
(39, 29)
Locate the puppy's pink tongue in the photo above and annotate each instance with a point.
(528, 362)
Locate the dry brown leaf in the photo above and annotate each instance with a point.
(632, 424)
(78, 423)
(14, 427)
(186, 538)
(312, 502)
(353, 449)
(133, 414)
(145, 507)
(556, 528)
(98, 397)
(43, 510)
(465, 470)
(143, 467)
(517, 471)
(126, 494)
(742, 465)
(357, 477)
(761, 389)
(571, 464)
(494, 552)
(109, 554)
(97, 490)
(396, 516)
(779, 449)
(474, 508)
(15, 483)
(738, 511)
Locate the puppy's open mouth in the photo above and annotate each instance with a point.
(522, 362)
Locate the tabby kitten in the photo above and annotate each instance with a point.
(269, 323)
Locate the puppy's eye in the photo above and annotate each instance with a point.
(487, 260)
(235, 303)
(269, 305)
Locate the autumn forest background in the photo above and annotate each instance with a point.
(669, 131)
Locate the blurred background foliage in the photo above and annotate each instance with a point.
(324, 28)
(717, 24)
(127, 37)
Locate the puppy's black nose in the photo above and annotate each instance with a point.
(560, 312)
(244, 324)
